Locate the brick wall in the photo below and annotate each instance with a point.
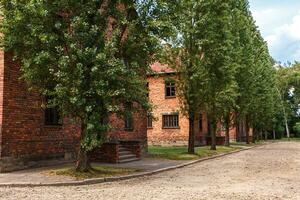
(160, 136)
(157, 135)
(138, 133)
(1, 92)
(23, 129)
(23, 132)
(232, 133)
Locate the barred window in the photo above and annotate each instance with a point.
(171, 121)
(170, 89)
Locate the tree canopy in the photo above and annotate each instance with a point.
(90, 57)
(223, 63)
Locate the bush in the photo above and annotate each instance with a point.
(280, 130)
(296, 129)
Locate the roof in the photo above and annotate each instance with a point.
(159, 68)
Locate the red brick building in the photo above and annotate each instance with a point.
(30, 133)
(169, 126)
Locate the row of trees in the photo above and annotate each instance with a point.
(91, 56)
(223, 64)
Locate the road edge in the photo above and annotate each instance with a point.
(126, 177)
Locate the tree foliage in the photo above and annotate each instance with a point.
(90, 57)
(223, 63)
(287, 82)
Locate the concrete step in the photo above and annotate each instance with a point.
(129, 160)
(125, 155)
(123, 149)
(121, 153)
(128, 156)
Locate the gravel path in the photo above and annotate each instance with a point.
(267, 172)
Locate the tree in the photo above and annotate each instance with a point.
(88, 56)
(184, 55)
(288, 79)
(218, 64)
(255, 74)
(200, 44)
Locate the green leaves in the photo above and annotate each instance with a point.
(203, 44)
(89, 57)
(222, 60)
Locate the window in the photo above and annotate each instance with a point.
(128, 123)
(170, 121)
(128, 118)
(147, 87)
(52, 116)
(149, 120)
(200, 122)
(170, 89)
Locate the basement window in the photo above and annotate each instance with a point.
(171, 121)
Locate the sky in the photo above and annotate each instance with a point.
(279, 23)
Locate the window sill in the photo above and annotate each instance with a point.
(171, 127)
(53, 126)
(170, 97)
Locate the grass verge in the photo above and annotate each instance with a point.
(294, 139)
(96, 172)
(180, 153)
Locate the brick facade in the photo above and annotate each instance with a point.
(157, 135)
(138, 133)
(22, 126)
(162, 105)
(23, 132)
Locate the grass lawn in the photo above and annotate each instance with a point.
(180, 153)
(96, 172)
(290, 139)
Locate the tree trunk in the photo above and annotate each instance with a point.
(274, 134)
(239, 129)
(287, 127)
(254, 136)
(82, 163)
(266, 135)
(284, 115)
(213, 135)
(237, 132)
(247, 131)
(191, 146)
(227, 136)
(260, 134)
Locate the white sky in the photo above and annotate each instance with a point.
(279, 23)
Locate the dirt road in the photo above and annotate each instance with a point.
(267, 172)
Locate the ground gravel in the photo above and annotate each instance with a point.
(267, 172)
